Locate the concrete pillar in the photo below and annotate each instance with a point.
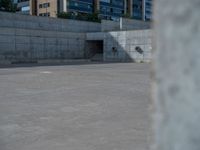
(177, 74)
(62, 6)
(120, 23)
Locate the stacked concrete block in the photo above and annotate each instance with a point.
(45, 23)
(21, 45)
(124, 24)
(143, 40)
(95, 36)
(32, 39)
(126, 43)
(107, 25)
(122, 45)
(115, 47)
(130, 24)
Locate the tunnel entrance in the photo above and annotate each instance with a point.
(94, 50)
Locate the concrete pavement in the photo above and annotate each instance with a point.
(75, 107)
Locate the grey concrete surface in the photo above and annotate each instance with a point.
(27, 39)
(75, 107)
(24, 45)
(125, 43)
(126, 24)
(177, 70)
(19, 21)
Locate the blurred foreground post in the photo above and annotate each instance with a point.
(177, 74)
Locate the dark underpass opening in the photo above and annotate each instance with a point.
(94, 50)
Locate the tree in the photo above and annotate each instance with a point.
(7, 5)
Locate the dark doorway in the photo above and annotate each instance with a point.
(94, 50)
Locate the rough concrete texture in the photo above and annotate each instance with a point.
(177, 74)
(125, 43)
(131, 24)
(126, 24)
(32, 39)
(75, 107)
(13, 20)
(24, 45)
(108, 25)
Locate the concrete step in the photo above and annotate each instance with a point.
(97, 57)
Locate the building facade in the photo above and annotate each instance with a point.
(107, 9)
(47, 8)
(81, 6)
(111, 9)
(23, 6)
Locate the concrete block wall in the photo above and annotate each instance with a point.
(12, 20)
(95, 36)
(22, 45)
(31, 39)
(130, 24)
(107, 25)
(125, 42)
(126, 24)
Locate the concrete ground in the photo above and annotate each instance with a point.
(75, 107)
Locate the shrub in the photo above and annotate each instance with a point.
(7, 5)
(94, 17)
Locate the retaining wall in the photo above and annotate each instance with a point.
(12, 20)
(126, 24)
(31, 39)
(108, 25)
(122, 45)
(23, 45)
(176, 76)
(35, 39)
(131, 24)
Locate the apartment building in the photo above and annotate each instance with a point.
(47, 8)
(107, 9)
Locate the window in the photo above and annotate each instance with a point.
(45, 14)
(25, 8)
(44, 5)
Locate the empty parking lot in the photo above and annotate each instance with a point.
(75, 107)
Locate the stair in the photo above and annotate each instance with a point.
(97, 57)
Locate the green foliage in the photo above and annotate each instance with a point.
(7, 5)
(126, 15)
(64, 15)
(94, 17)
